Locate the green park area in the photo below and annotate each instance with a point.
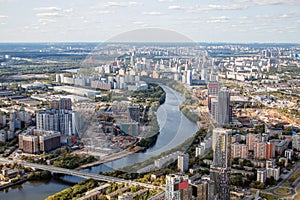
(282, 191)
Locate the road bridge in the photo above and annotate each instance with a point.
(71, 172)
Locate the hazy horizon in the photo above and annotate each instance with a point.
(227, 21)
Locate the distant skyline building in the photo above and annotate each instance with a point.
(189, 77)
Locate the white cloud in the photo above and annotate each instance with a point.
(214, 7)
(221, 19)
(47, 9)
(152, 13)
(165, 0)
(105, 12)
(225, 7)
(46, 21)
(276, 17)
(117, 4)
(50, 14)
(138, 22)
(175, 7)
(3, 17)
(269, 2)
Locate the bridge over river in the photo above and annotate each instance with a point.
(71, 172)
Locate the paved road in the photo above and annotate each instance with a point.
(291, 187)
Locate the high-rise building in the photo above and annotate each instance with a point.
(177, 187)
(296, 141)
(199, 151)
(63, 121)
(214, 109)
(251, 138)
(224, 109)
(261, 175)
(183, 162)
(272, 169)
(3, 136)
(35, 141)
(189, 77)
(200, 190)
(270, 150)
(213, 88)
(220, 169)
(239, 151)
(263, 150)
(63, 103)
(288, 153)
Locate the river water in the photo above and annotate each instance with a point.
(175, 128)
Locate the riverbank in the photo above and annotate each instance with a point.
(111, 157)
(174, 129)
(10, 184)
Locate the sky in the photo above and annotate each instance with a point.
(243, 21)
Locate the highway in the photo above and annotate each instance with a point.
(85, 175)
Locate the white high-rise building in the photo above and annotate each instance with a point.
(183, 162)
(296, 141)
(64, 121)
(261, 175)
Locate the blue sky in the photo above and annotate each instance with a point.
(200, 20)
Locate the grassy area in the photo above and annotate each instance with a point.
(282, 191)
(267, 196)
(298, 193)
(292, 179)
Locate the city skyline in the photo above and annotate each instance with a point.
(242, 21)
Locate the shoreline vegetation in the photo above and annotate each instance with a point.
(189, 100)
(188, 146)
(191, 116)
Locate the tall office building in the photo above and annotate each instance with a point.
(177, 187)
(183, 162)
(220, 169)
(224, 110)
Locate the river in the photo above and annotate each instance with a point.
(175, 128)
